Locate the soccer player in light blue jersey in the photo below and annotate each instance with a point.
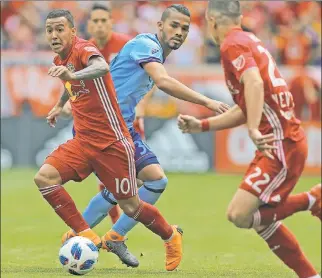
(135, 71)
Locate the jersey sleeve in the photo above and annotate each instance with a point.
(239, 58)
(145, 51)
(86, 52)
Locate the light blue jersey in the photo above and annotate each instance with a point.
(131, 81)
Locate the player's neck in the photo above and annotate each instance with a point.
(102, 42)
(166, 50)
(225, 30)
(64, 54)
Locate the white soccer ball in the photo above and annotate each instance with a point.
(78, 255)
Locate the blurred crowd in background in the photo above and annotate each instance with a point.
(291, 30)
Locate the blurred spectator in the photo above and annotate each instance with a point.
(291, 30)
(307, 96)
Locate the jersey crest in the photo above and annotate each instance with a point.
(239, 63)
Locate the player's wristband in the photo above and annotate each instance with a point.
(205, 125)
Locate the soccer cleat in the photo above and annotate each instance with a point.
(91, 235)
(113, 242)
(68, 235)
(316, 208)
(174, 249)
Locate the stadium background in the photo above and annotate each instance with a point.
(292, 33)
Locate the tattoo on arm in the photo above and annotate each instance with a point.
(64, 98)
(97, 67)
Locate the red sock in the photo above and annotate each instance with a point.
(267, 215)
(64, 206)
(151, 217)
(285, 246)
(115, 213)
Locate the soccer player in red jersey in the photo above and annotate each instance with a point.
(265, 105)
(109, 43)
(102, 142)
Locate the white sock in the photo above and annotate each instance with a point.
(312, 201)
(315, 276)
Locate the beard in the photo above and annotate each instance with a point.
(174, 46)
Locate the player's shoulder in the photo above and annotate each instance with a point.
(236, 39)
(147, 39)
(82, 44)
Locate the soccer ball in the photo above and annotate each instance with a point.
(78, 255)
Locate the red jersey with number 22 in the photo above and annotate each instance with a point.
(97, 117)
(242, 51)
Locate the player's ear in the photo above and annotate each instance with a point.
(74, 31)
(160, 25)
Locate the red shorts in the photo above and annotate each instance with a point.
(114, 165)
(273, 180)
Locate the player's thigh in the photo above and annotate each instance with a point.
(115, 167)
(263, 176)
(70, 161)
(146, 163)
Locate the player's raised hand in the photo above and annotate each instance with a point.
(263, 142)
(217, 106)
(53, 114)
(189, 124)
(62, 72)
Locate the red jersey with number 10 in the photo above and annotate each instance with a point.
(241, 51)
(97, 117)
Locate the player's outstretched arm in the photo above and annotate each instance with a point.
(96, 67)
(176, 89)
(232, 118)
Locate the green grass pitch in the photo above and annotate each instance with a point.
(31, 232)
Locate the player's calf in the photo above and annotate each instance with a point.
(49, 182)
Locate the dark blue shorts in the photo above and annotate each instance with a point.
(143, 154)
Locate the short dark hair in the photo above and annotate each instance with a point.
(177, 7)
(97, 6)
(62, 13)
(229, 8)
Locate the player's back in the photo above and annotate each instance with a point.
(242, 51)
(97, 117)
(130, 79)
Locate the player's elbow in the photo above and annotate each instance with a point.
(163, 82)
(105, 68)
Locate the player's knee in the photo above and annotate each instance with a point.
(238, 218)
(44, 178)
(157, 186)
(40, 179)
(130, 206)
(129, 209)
